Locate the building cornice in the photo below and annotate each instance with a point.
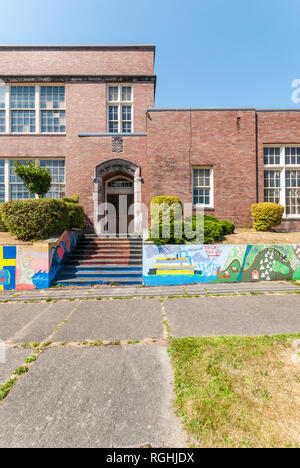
(78, 78)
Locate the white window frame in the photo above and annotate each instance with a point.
(282, 167)
(119, 103)
(7, 182)
(37, 109)
(211, 187)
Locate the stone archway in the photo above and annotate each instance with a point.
(107, 170)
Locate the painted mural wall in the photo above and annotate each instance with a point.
(192, 264)
(34, 266)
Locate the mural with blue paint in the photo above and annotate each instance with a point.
(192, 264)
(8, 259)
(60, 252)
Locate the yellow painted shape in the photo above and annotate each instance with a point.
(6, 262)
(174, 272)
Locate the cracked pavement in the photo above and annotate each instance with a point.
(102, 395)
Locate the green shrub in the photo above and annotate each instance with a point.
(3, 228)
(36, 179)
(160, 209)
(36, 219)
(76, 216)
(74, 199)
(229, 227)
(266, 216)
(193, 231)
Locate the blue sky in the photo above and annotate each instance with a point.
(216, 53)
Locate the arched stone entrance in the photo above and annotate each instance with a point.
(108, 192)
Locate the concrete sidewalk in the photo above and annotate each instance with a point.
(156, 291)
(105, 378)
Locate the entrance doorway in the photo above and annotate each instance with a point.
(119, 194)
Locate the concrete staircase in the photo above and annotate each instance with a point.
(97, 260)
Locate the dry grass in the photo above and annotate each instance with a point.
(250, 236)
(238, 391)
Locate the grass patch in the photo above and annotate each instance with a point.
(31, 359)
(6, 388)
(238, 391)
(21, 370)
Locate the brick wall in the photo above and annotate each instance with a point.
(179, 140)
(76, 61)
(277, 127)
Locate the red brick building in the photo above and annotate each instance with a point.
(88, 114)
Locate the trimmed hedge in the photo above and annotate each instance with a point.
(214, 230)
(38, 219)
(3, 228)
(74, 199)
(76, 216)
(266, 216)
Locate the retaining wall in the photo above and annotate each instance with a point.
(192, 264)
(34, 266)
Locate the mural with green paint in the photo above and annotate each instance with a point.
(190, 264)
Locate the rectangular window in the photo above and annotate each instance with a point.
(22, 98)
(2, 181)
(15, 186)
(17, 189)
(57, 172)
(53, 115)
(282, 184)
(120, 108)
(2, 110)
(272, 186)
(292, 183)
(113, 119)
(32, 109)
(2, 121)
(271, 156)
(203, 186)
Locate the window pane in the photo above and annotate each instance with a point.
(53, 97)
(57, 172)
(2, 121)
(23, 121)
(292, 156)
(2, 97)
(22, 97)
(271, 156)
(113, 93)
(53, 121)
(2, 180)
(292, 179)
(126, 93)
(17, 189)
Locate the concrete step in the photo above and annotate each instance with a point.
(109, 249)
(101, 268)
(93, 274)
(89, 256)
(97, 281)
(105, 263)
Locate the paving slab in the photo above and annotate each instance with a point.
(113, 320)
(13, 358)
(247, 287)
(44, 325)
(240, 315)
(93, 397)
(14, 317)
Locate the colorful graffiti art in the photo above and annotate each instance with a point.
(192, 264)
(60, 251)
(8, 260)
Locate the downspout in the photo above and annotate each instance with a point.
(257, 157)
